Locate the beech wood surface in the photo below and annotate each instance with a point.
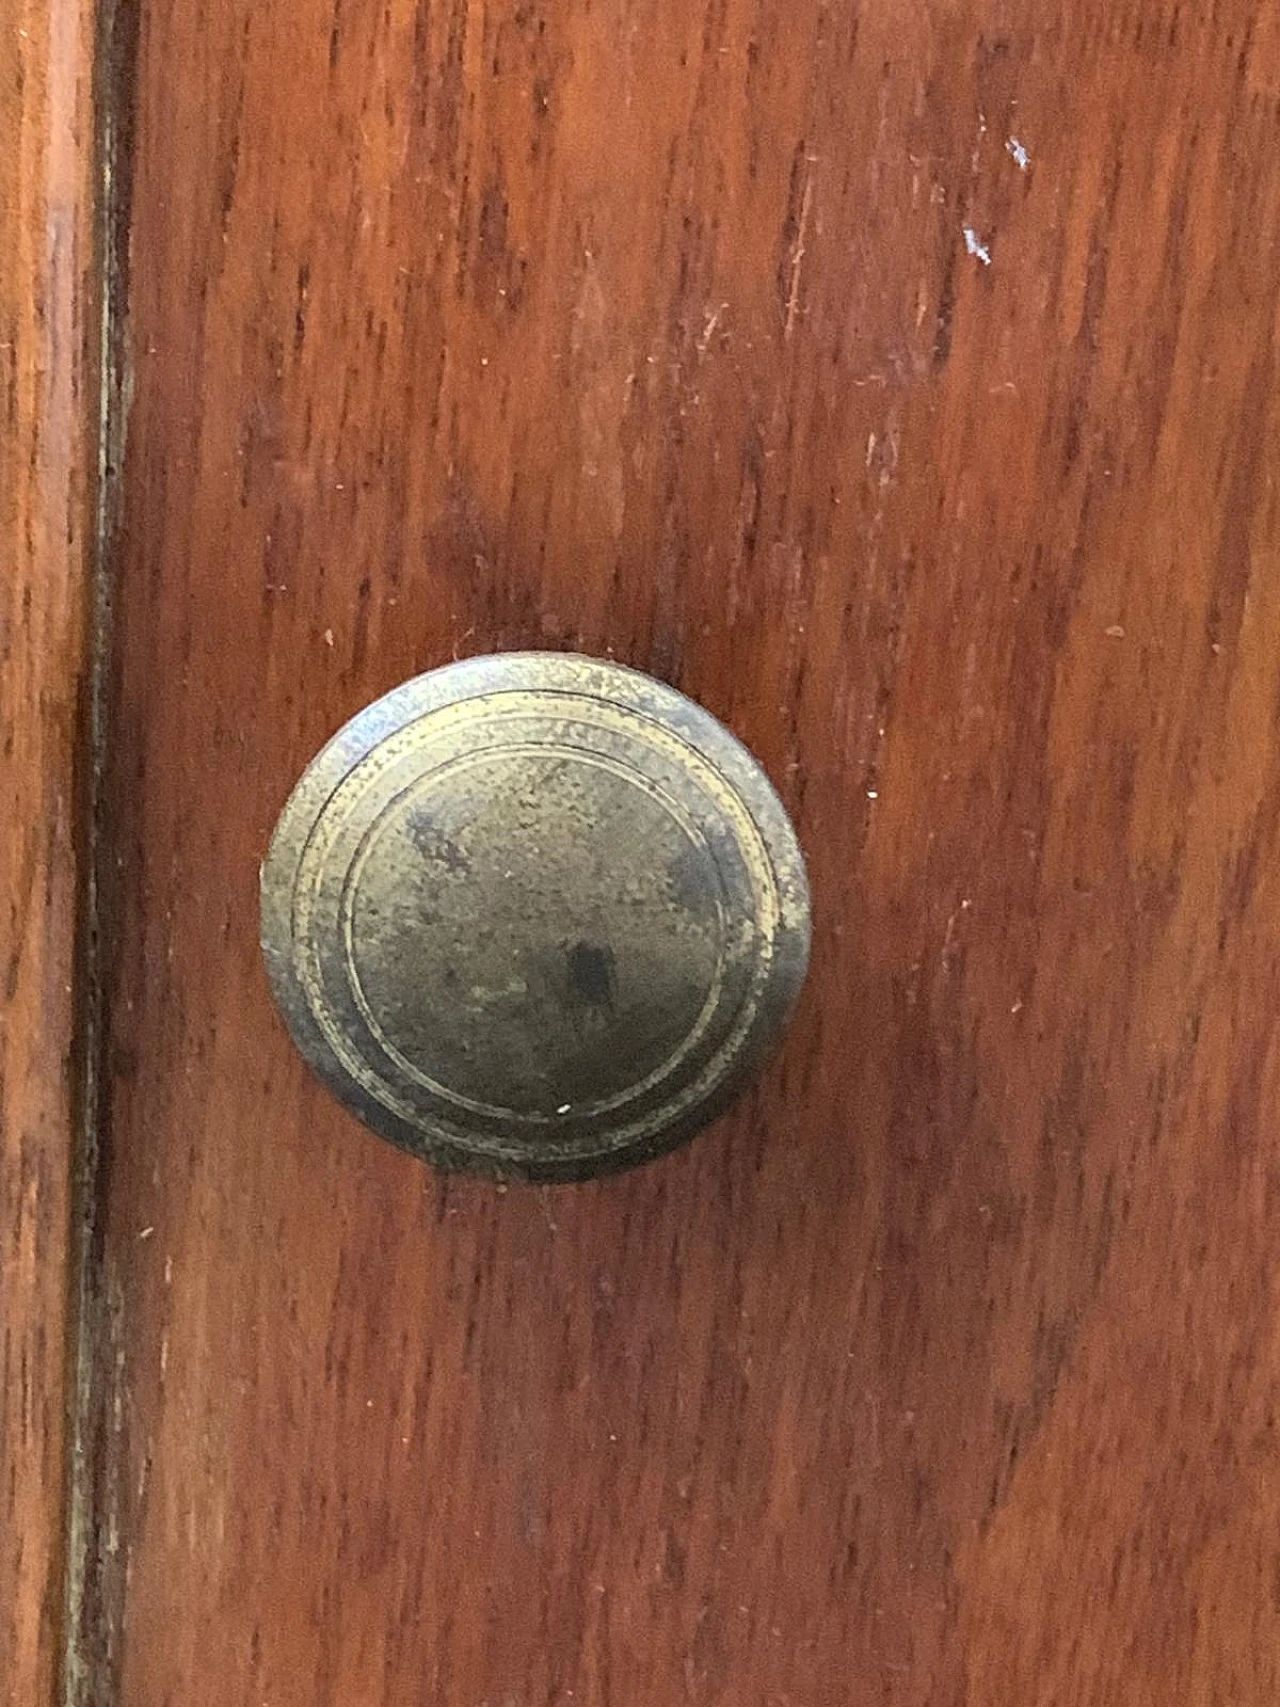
(899, 381)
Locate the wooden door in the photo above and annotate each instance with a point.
(900, 382)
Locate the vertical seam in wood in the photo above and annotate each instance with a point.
(90, 1651)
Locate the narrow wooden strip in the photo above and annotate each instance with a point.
(47, 437)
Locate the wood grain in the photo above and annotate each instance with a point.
(899, 381)
(47, 425)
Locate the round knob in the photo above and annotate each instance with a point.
(534, 915)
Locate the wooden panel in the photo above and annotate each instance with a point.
(900, 381)
(47, 422)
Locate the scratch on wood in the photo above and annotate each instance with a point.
(797, 254)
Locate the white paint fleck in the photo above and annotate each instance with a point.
(1021, 158)
(708, 330)
(1115, 632)
(873, 794)
(976, 247)
(564, 1108)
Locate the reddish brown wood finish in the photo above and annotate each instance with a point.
(47, 426)
(901, 382)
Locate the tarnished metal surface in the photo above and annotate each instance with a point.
(534, 915)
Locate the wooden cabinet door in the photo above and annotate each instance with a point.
(901, 383)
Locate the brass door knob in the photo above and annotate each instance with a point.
(535, 915)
